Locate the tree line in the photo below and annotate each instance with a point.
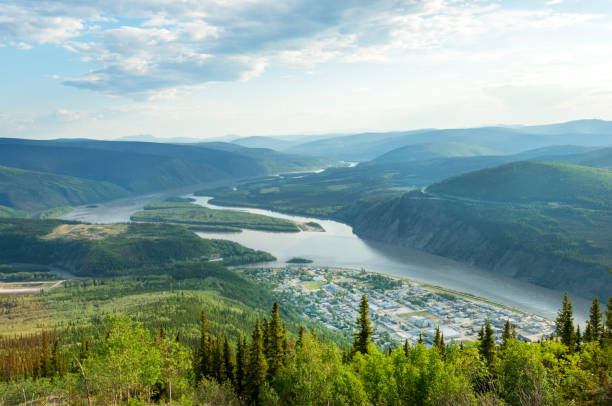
(126, 363)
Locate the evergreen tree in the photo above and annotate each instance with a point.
(256, 374)
(362, 336)
(228, 361)
(55, 361)
(436, 342)
(275, 353)
(241, 365)
(588, 333)
(300, 337)
(218, 367)
(565, 323)
(265, 334)
(487, 344)
(595, 321)
(578, 339)
(507, 334)
(203, 352)
(420, 338)
(406, 347)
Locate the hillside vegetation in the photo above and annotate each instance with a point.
(533, 182)
(32, 191)
(545, 223)
(201, 218)
(103, 250)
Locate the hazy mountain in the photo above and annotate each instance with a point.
(265, 142)
(274, 162)
(422, 152)
(503, 140)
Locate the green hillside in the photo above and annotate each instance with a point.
(32, 191)
(533, 182)
(113, 249)
(421, 152)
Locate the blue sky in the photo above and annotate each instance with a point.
(112, 68)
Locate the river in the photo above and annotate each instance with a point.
(338, 246)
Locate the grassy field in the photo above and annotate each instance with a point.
(205, 219)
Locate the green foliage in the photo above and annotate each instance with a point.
(315, 372)
(137, 250)
(32, 191)
(529, 182)
(213, 220)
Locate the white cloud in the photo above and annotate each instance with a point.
(181, 45)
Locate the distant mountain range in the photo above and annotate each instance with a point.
(73, 172)
(498, 140)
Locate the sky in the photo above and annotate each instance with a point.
(106, 69)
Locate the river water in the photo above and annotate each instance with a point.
(339, 247)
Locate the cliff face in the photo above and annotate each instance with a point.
(457, 230)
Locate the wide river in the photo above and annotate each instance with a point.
(339, 247)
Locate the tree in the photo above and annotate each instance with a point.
(218, 367)
(595, 322)
(204, 356)
(241, 365)
(506, 335)
(127, 363)
(228, 361)
(565, 323)
(406, 347)
(609, 319)
(578, 339)
(275, 352)
(256, 374)
(362, 336)
(487, 344)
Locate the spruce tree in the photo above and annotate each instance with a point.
(256, 374)
(588, 333)
(420, 338)
(228, 361)
(487, 344)
(565, 323)
(362, 336)
(300, 337)
(595, 321)
(578, 339)
(218, 367)
(436, 342)
(241, 365)
(507, 334)
(406, 347)
(275, 353)
(203, 353)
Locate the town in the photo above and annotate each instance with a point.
(400, 310)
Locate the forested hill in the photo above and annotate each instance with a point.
(30, 191)
(533, 182)
(541, 222)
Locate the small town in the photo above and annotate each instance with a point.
(400, 310)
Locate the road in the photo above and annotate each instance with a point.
(23, 290)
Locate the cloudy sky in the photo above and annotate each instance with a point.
(207, 68)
